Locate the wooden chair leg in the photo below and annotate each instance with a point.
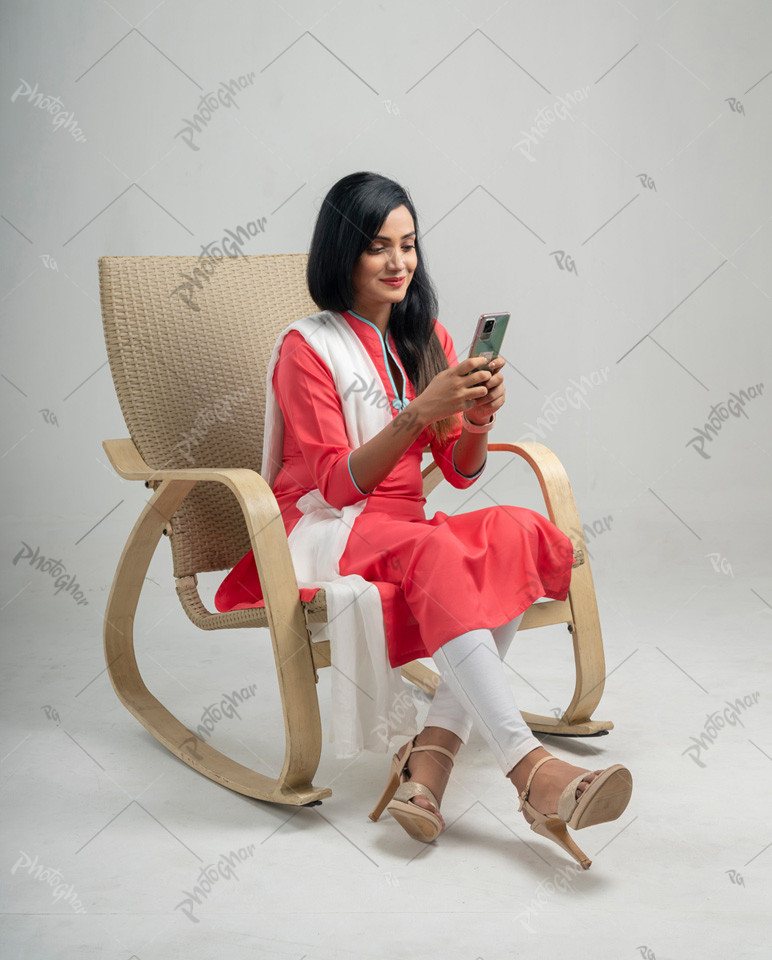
(588, 650)
(589, 661)
(301, 710)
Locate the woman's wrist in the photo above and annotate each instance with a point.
(415, 416)
(476, 423)
(470, 451)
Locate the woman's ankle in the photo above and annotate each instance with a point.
(439, 737)
(519, 774)
(433, 768)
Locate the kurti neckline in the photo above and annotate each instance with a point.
(400, 400)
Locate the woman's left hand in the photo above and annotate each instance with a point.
(483, 408)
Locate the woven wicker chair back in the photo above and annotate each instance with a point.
(188, 342)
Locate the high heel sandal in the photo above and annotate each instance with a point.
(419, 822)
(605, 799)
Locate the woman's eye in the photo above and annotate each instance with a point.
(382, 249)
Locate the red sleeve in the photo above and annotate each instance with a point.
(443, 454)
(306, 393)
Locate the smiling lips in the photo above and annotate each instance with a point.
(394, 281)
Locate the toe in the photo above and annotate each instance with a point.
(427, 805)
(586, 781)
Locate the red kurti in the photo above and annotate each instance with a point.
(437, 577)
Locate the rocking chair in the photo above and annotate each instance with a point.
(188, 341)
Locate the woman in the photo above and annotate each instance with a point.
(459, 584)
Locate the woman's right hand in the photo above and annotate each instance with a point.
(454, 390)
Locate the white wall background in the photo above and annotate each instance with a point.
(654, 186)
(654, 182)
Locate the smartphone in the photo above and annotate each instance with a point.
(489, 335)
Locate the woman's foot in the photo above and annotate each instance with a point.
(558, 795)
(549, 781)
(430, 767)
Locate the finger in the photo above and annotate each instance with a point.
(477, 394)
(495, 391)
(474, 363)
(478, 376)
(494, 381)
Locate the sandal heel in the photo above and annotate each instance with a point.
(555, 829)
(388, 793)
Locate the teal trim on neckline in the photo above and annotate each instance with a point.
(401, 401)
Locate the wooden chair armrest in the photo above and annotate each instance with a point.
(554, 483)
(267, 533)
(552, 477)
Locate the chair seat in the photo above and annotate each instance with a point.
(393, 603)
(315, 609)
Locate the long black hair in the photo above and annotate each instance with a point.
(351, 215)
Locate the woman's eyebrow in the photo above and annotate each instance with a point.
(403, 237)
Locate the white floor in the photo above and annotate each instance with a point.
(87, 792)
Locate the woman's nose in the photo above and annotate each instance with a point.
(397, 260)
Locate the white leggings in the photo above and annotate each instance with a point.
(474, 688)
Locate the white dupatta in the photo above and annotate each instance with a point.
(371, 703)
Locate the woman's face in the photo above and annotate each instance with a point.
(391, 256)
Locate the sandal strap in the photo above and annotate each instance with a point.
(438, 749)
(409, 789)
(411, 748)
(527, 789)
(567, 802)
(406, 756)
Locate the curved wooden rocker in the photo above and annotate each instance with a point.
(286, 621)
(213, 510)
